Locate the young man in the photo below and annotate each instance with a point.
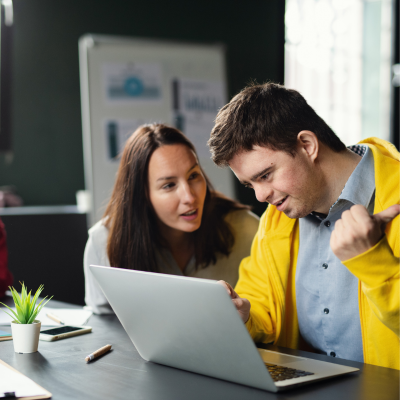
(324, 265)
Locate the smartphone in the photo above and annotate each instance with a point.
(63, 332)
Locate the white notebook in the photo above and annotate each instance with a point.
(70, 316)
(13, 381)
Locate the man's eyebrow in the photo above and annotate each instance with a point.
(261, 173)
(166, 178)
(256, 176)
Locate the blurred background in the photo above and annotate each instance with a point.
(342, 55)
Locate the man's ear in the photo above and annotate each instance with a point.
(307, 142)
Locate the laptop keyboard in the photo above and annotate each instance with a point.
(279, 373)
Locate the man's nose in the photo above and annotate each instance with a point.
(262, 193)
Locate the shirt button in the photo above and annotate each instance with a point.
(326, 310)
(333, 354)
(325, 265)
(327, 223)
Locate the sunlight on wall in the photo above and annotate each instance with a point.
(337, 55)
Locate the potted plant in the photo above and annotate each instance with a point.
(24, 326)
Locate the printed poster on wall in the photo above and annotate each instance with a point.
(116, 133)
(195, 106)
(132, 83)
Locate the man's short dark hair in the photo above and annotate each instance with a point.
(267, 115)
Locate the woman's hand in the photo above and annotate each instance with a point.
(242, 305)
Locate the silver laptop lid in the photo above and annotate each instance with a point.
(187, 323)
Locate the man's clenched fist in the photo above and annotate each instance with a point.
(357, 231)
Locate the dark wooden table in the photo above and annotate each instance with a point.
(122, 374)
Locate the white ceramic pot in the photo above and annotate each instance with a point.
(26, 336)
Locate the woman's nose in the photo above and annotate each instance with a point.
(187, 195)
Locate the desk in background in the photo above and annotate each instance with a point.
(122, 374)
(45, 246)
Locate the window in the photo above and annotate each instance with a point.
(338, 56)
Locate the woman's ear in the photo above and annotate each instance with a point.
(307, 142)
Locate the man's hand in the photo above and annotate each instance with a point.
(357, 231)
(242, 305)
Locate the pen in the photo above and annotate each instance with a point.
(98, 353)
(55, 318)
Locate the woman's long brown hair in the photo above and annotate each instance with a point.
(133, 234)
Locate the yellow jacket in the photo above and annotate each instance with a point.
(267, 276)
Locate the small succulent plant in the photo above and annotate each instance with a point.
(26, 312)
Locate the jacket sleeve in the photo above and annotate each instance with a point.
(378, 270)
(95, 254)
(255, 285)
(6, 277)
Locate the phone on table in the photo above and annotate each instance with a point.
(62, 332)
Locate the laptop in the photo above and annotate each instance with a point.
(192, 324)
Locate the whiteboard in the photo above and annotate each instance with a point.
(126, 82)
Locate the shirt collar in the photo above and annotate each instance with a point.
(360, 187)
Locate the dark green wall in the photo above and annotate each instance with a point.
(47, 138)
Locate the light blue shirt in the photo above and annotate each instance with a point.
(326, 291)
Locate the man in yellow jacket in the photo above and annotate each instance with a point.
(324, 266)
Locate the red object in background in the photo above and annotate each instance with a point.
(6, 277)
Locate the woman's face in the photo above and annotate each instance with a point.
(177, 187)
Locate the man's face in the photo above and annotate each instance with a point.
(290, 183)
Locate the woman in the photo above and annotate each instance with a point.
(164, 216)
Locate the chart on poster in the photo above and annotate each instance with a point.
(127, 82)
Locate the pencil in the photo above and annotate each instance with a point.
(55, 318)
(98, 353)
